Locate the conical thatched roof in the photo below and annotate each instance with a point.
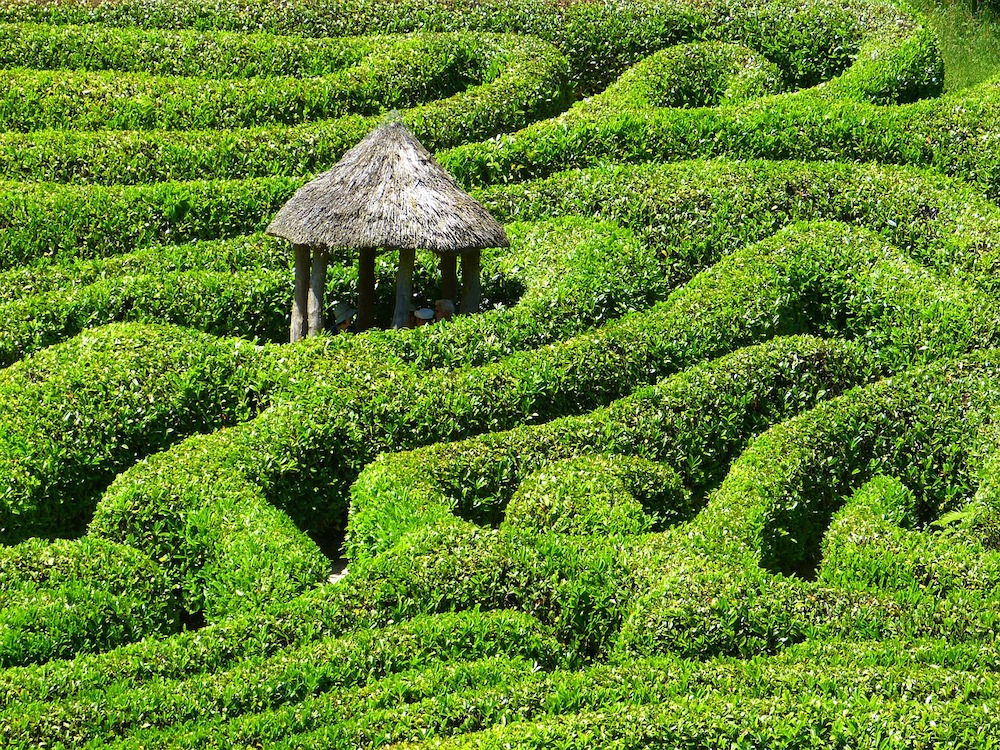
(387, 192)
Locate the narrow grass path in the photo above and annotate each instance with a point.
(970, 39)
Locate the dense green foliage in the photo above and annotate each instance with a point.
(716, 465)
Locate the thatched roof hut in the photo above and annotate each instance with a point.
(386, 193)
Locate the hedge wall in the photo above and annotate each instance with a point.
(661, 491)
(77, 413)
(59, 599)
(475, 86)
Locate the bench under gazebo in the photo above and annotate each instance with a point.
(387, 193)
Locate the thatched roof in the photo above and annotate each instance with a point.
(387, 192)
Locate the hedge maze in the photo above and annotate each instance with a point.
(715, 467)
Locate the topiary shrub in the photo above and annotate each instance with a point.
(606, 495)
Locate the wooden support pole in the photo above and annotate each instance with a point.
(317, 291)
(300, 300)
(366, 289)
(404, 288)
(448, 264)
(471, 290)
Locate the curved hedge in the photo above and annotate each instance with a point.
(772, 509)
(796, 282)
(175, 53)
(60, 599)
(811, 40)
(76, 414)
(287, 677)
(647, 454)
(395, 73)
(488, 84)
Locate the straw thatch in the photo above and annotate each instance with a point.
(387, 193)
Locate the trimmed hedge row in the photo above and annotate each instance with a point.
(782, 721)
(707, 74)
(520, 80)
(509, 698)
(176, 53)
(135, 157)
(366, 401)
(695, 212)
(517, 700)
(76, 414)
(560, 293)
(693, 423)
(921, 426)
(773, 508)
(605, 495)
(251, 305)
(395, 73)
(370, 402)
(285, 678)
(692, 212)
(952, 134)
(364, 716)
(558, 279)
(239, 255)
(811, 41)
(873, 543)
(59, 599)
(46, 223)
(410, 549)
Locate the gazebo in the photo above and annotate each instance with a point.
(386, 193)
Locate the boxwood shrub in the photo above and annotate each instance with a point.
(62, 598)
(285, 678)
(490, 84)
(77, 413)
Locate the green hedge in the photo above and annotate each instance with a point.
(475, 479)
(606, 495)
(395, 73)
(524, 707)
(874, 542)
(826, 278)
(59, 599)
(76, 414)
(686, 211)
(782, 721)
(694, 75)
(920, 426)
(251, 305)
(695, 212)
(285, 678)
(407, 538)
(519, 80)
(952, 134)
(176, 53)
(238, 287)
(811, 41)
(238, 255)
(356, 717)
(774, 506)
(45, 223)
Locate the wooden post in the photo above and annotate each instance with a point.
(366, 289)
(404, 288)
(300, 301)
(448, 264)
(471, 290)
(317, 291)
